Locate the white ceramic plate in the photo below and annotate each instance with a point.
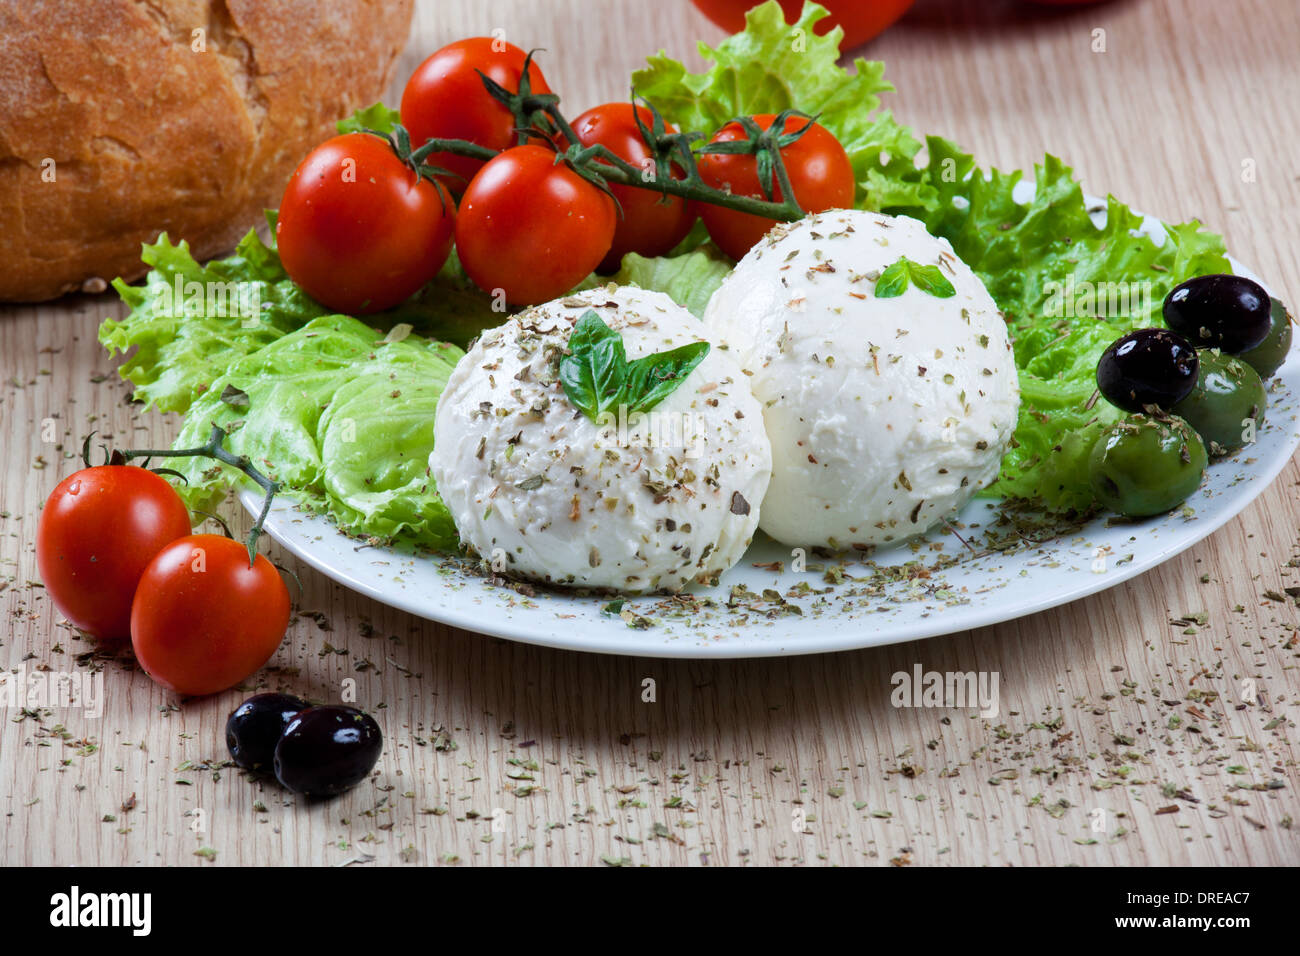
(902, 594)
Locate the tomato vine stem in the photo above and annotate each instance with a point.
(601, 162)
(538, 116)
(216, 450)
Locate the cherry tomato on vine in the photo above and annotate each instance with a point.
(861, 19)
(202, 619)
(531, 226)
(98, 531)
(359, 229)
(652, 223)
(819, 170)
(445, 98)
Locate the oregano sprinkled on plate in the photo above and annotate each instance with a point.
(235, 397)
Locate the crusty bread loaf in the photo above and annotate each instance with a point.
(144, 124)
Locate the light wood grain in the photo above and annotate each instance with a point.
(1184, 94)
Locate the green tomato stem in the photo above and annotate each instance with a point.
(534, 113)
(215, 449)
(601, 162)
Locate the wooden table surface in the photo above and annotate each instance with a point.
(1189, 111)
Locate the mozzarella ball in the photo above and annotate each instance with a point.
(637, 504)
(885, 413)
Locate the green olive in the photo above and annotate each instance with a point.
(1267, 357)
(1227, 405)
(1143, 465)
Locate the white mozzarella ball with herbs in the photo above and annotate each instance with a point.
(638, 505)
(885, 413)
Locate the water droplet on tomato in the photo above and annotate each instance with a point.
(75, 488)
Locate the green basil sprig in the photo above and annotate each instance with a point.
(894, 280)
(598, 378)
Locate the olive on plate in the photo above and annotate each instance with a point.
(1223, 311)
(1227, 405)
(327, 750)
(256, 726)
(1147, 367)
(1267, 357)
(1145, 465)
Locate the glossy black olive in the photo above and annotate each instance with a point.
(254, 729)
(1147, 367)
(327, 750)
(1219, 311)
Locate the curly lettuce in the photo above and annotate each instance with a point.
(689, 279)
(189, 321)
(376, 118)
(773, 65)
(1068, 288)
(342, 416)
(338, 411)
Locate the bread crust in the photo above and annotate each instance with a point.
(144, 133)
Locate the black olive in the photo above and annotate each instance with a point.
(1147, 367)
(1219, 311)
(327, 750)
(254, 729)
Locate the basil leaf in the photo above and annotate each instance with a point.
(653, 378)
(929, 279)
(598, 378)
(893, 281)
(595, 369)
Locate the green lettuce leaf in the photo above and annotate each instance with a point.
(451, 307)
(341, 417)
(376, 117)
(1067, 289)
(231, 307)
(689, 280)
(771, 66)
(188, 322)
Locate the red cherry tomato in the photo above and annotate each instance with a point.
(531, 226)
(98, 531)
(819, 170)
(359, 229)
(445, 98)
(861, 19)
(652, 223)
(203, 620)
